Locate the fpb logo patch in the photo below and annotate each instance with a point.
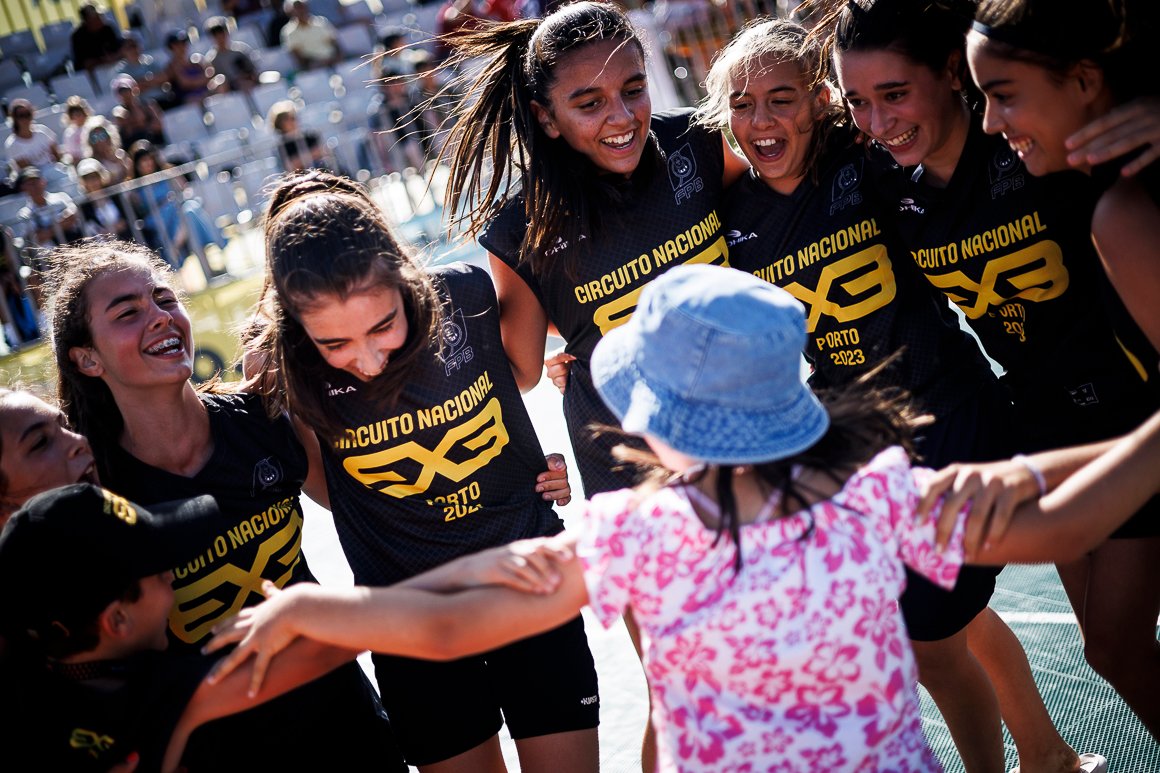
(453, 334)
(1006, 172)
(844, 191)
(683, 174)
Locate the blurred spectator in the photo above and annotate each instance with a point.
(32, 144)
(310, 39)
(94, 41)
(188, 77)
(241, 8)
(165, 210)
(50, 217)
(24, 328)
(396, 139)
(148, 72)
(102, 214)
(299, 149)
(231, 59)
(455, 16)
(136, 118)
(72, 137)
(104, 145)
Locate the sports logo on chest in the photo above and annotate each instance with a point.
(453, 337)
(267, 473)
(683, 174)
(1006, 173)
(844, 192)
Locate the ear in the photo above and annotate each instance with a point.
(114, 621)
(544, 117)
(1090, 79)
(822, 99)
(87, 360)
(955, 69)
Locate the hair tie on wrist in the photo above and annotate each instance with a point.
(1036, 473)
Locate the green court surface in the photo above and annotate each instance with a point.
(1087, 711)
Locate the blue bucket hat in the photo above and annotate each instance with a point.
(710, 364)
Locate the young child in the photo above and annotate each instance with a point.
(764, 575)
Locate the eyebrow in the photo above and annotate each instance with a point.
(993, 83)
(580, 92)
(886, 86)
(384, 321)
(774, 90)
(33, 428)
(122, 299)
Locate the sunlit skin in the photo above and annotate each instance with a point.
(600, 105)
(772, 114)
(1034, 109)
(151, 613)
(141, 332)
(358, 333)
(914, 112)
(38, 451)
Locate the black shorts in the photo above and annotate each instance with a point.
(540, 685)
(976, 431)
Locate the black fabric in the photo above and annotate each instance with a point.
(256, 473)
(833, 245)
(451, 469)
(673, 219)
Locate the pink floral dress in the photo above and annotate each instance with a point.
(801, 661)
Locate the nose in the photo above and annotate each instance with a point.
(762, 115)
(880, 121)
(619, 112)
(992, 122)
(78, 444)
(371, 361)
(159, 316)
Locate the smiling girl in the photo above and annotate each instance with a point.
(592, 195)
(429, 454)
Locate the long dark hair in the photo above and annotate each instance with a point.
(324, 236)
(863, 421)
(495, 139)
(87, 400)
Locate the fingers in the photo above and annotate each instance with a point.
(258, 675)
(128, 765)
(934, 488)
(532, 573)
(1129, 127)
(553, 484)
(1141, 161)
(559, 365)
(228, 664)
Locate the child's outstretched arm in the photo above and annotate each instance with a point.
(1079, 514)
(396, 620)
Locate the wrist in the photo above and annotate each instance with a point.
(1036, 473)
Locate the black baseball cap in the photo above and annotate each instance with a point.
(70, 552)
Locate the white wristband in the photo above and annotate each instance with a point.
(1032, 468)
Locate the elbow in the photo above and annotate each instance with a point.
(527, 380)
(448, 637)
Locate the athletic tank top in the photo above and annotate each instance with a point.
(451, 469)
(673, 219)
(832, 244)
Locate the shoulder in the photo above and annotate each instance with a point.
(504, 232)
(1124, 215)
(673, 128)
(459, 274)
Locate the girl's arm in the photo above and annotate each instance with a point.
(523, 324)
(1087, 507)
(303, 661)
(735, 165)
(1126, 230)
(394, 620)
(315, 484)
(525, 565)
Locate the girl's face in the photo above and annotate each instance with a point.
(39, 451)
(1033, 109)
(915, 112)
(358, 333)
(150, 613)
(77, 117)
(772, 115)
(600, 105)
(140, 331)
(146, 165)
(671, 458)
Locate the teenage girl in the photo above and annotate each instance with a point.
(764, 573)
(1009, 250)
(1043, 79)
(814, 215)
(587, 195)
(429, 454)
(124, 350)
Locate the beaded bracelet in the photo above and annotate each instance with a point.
(1032, 468)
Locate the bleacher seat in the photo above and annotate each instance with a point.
(228, 111)
(41, 67)
(264, 96)
(355, 40)
(360, 12)
(184, 124)
(77, 84)
(315, 86)
(276, 59)
(250, 35)
(11, 74)
(20, 43)
(57, 36)
(37, 94)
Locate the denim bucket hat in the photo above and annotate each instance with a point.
(710, 363)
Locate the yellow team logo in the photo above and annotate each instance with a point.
(198, 607)
(93, 743)
(616, 312)
(873, 287)
(484, 436)
(119, 506)
(1035, 273)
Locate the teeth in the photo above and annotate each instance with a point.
(901, 139)
(766, 143)
(169, 343)
(621, 139)
(1020, 144)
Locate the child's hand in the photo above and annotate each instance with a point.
(993, 490)
(1123, 129)
(553, 484)
(262, 631)
(559, 365)
(528, 565)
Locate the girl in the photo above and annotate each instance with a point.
(812, 184)
(158, 202)
(31, 144)
(429, 454)
(764, 573)
(1009, 250)
(1043, 79)
(72, 135)
(124, 347)
(591, 196)
(104, 144)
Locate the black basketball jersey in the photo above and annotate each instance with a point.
(1014, 252)
(451, 469)
(832, 244)
(672, 220)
